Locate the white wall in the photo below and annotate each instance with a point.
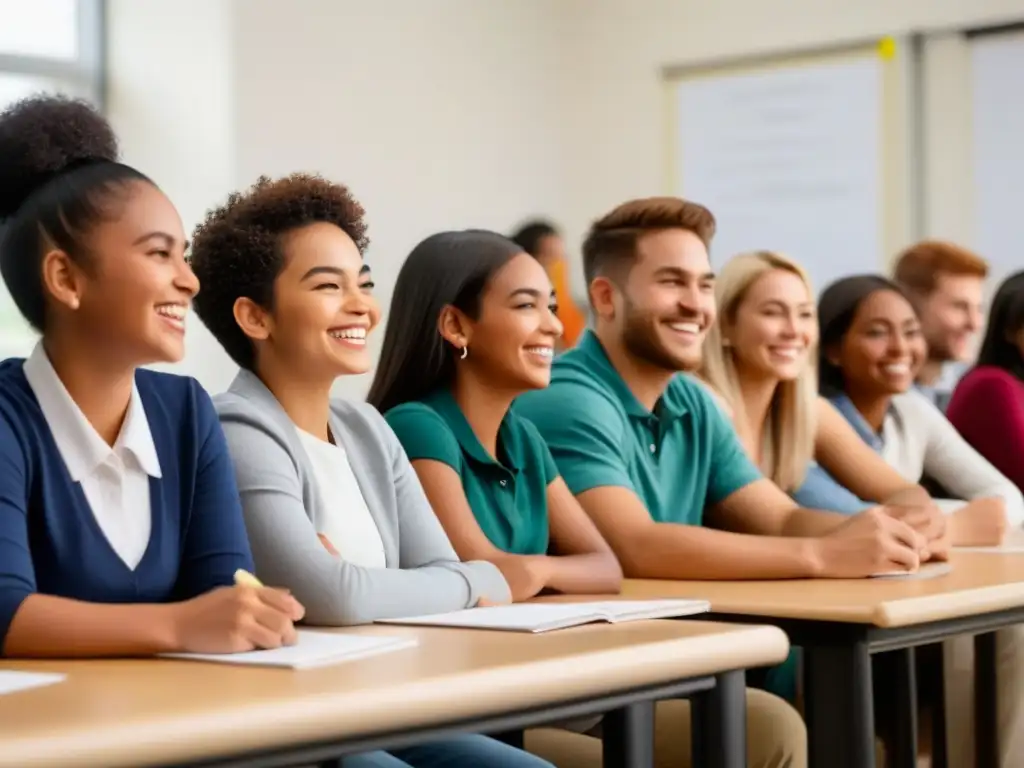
(455, 113)
(437, 114)
(616, 110)
(171, 102)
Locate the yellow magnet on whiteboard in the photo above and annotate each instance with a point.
(887, 48)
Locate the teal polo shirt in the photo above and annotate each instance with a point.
(679, 459)
(508, 496)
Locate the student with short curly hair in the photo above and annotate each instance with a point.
(120, 527)
(333, 508)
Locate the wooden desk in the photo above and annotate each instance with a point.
(170, 712)
(979, 584)
(841, 623)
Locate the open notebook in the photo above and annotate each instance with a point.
(313, 649)
(544, 617)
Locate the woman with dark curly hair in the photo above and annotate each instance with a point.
(333, 508)
(120, 526)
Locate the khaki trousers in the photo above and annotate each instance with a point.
(776, 737)
(958, 664)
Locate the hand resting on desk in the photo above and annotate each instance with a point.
(871, 542)
(930, 522)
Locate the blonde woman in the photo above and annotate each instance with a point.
(760, 361)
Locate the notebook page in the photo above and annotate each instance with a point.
(625, 610)
(313, 649)
(521, 617)
(12, 682)
(926, 571)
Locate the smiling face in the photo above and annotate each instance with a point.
(668, 301)
(511, 342)
(884, 347)
(133, 290)
(951, 316)
(774, 327)
(323, 306)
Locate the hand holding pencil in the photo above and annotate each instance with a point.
(245, 617)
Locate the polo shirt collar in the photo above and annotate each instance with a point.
(443, 402)
(79, 444)
(669, 406)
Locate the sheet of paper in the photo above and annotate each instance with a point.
(926, 571)
(538, 617)
(12, 682)
(313, 649)
(625, 609)
(522, 616)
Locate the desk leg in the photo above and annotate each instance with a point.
(896, 674)
(838, 706)
(719, 718)
(986, 727)
(627, 736)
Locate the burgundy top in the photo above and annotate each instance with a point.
(987, 408)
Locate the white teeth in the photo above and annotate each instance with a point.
(172, 311)
(685, 327)
(897, 369)
(790, 353)
(542, 351)
(350, 334)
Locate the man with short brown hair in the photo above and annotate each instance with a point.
(945, 282)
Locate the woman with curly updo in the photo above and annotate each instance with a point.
(120, 526)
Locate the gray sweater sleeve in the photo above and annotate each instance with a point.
(288, 553)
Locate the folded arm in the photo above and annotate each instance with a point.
(288, 552)
(856, 466)
(652, 550)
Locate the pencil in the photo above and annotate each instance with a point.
(245, 579)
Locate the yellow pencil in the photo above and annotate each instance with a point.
(245, 579)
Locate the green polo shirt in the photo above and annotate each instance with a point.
(679, 459)
(508, 496)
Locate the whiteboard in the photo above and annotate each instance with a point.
(790, 157)
(997, 110)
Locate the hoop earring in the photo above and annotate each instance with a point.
(465, 353)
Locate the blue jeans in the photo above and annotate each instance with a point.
(463, 751)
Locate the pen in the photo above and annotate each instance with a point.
(245, 579)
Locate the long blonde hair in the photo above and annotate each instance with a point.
(791, 424)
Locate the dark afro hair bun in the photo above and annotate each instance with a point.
(42, 136)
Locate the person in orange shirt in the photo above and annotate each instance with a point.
(544, 242)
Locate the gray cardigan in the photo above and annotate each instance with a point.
(283, 507)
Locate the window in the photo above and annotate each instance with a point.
(51, 46)
(46, 46)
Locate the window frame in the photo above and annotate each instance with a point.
(86, 73)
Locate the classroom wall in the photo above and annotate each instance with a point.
(455, 113)
(439, 114)
(171, 100)
(616, 112)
